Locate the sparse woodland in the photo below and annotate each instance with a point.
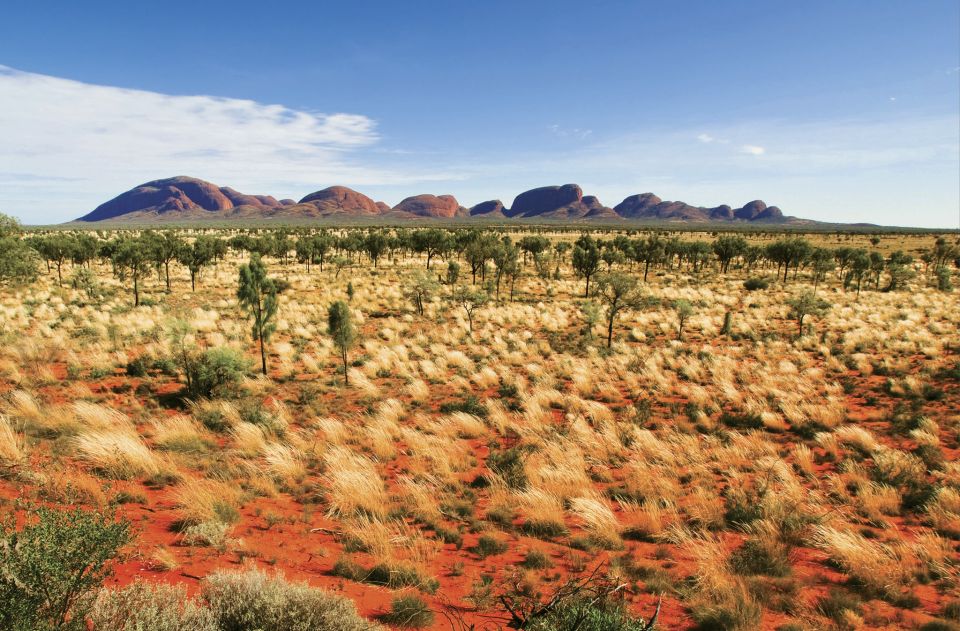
(539, 428)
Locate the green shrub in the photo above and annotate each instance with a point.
(836, 602)
(138, 367)
(741, 421)
(753, 557)
(409, 612)
(951, 610)
(488, 546)
(588, 614)
(739, 614)
(51, 569)
(755, 283)
(544, 529)
(145, 606)
(242, 601)
(537, 560)
(508, 464)
(216, 372)
(470, 404)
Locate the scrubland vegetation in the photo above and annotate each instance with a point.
(541, 429)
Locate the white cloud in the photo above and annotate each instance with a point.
(705, 138)
(70, 145)
(575, 132)
(753, 150)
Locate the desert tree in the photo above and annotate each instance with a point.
(430, 242)
(728, 247)
(453, 272)
(899, 270)
(684, 311)
(533, 245)
(163, 248)
(617, 292)
(339, 264)
(822, 261)
(806, 304)
(57, 249)
(697, 253)
(611, 255)
(197, 256)
(421, 290)
(478, 250)
(18, 262)
(507, 259)
(259, 297)
(469, 300)
(342, 330)
(858, 268)
(375, 244)
(649, 251)
(877, 265)
(561, 249)
(787, 253)
(131, 261)
(586, 259)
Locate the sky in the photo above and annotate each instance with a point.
(835, 111)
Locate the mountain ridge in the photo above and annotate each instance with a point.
(189, 198)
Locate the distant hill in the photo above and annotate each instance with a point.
(184, 198)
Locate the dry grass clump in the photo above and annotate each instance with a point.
(598, 520)
(202, 501)
(11, 444)
(883, 567)
(117, 453)
(354, 485)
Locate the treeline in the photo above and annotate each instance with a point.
(489, 255)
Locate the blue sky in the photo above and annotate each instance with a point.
(840, 111)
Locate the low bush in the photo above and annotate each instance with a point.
(409, 612)
(216, 372)
(150, 607)
(488, 546)
(250, 599)
(755, 283)
(51, 569)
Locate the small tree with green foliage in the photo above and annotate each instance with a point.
(586, 259)
(421, 290)
(259, 297)
(131, 261)
(806, 304)
(344, 333)
(618, 292)
(18, 262)
(52, 567)
(469, 300)
(197, 256)
(684, 312)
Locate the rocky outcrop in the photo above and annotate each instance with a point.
(492, 208)
(187, 198)
(340, 200)
(239, 199)
(546, 200)
(163, 196)
(445, 206)
(637, 206)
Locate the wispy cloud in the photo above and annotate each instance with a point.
(575, 132)
(105, 139)
(753, 150)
